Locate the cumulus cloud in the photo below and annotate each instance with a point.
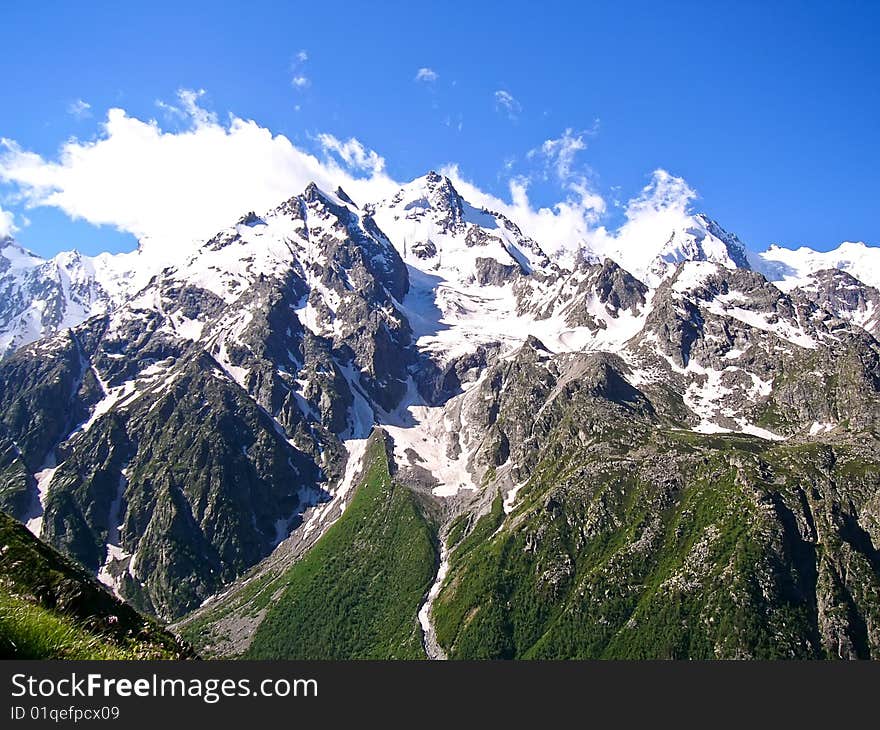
(168, 188)
(426, 74)
(662, 206)
(171, 188)
(79, 109)
(666, 194)
(505, 101)
(302, 56)
(575, 223)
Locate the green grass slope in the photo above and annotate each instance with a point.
(51, 608)
(356, 593)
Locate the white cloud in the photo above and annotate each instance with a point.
(566, 227)
(355, 156)
(561, 229)
(7, 223)
(506, 102)
(299, 80)
(559, 153)
(426, 74)
(171, 188)
(666, 194)
(451, 123)
(663, 206)
(79, 109)
(569, 224)
(189, 108)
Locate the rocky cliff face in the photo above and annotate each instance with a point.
(192, 426)
(678, 466)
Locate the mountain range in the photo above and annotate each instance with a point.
(399, 428)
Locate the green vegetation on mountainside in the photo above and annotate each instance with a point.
(356, 593)
(51, 608)
(697, 547)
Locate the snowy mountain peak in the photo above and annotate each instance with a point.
(437, 231)
(13, 256)
(652, 256)
(40, 296)
(344, 197)
(432, 196)
(438, 183)
(314, 194)
(706, 241)
(736, 249)
(790, 268)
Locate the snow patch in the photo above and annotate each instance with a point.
(425, 442)
(44, 481)
(432, 646)
(510, 498)
(819, 427)
(115, 553)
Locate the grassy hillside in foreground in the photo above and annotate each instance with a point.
(51, 608)
(356, 594)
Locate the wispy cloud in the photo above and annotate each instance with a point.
(188, 107)
(79, 109)
(427, 74)
(456, 123)
(353, 153)
(506, 102)
(302, 56)
(559, 154)
(562, 229)
(557, 159)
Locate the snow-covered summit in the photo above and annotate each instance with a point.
(40, 296)
(792, 267)
(435, 229)
(14, 257)
(697, 238)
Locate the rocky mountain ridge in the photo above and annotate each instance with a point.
(199, 434)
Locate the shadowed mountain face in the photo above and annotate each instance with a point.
(575, 461)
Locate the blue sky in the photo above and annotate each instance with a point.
(769, 113)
